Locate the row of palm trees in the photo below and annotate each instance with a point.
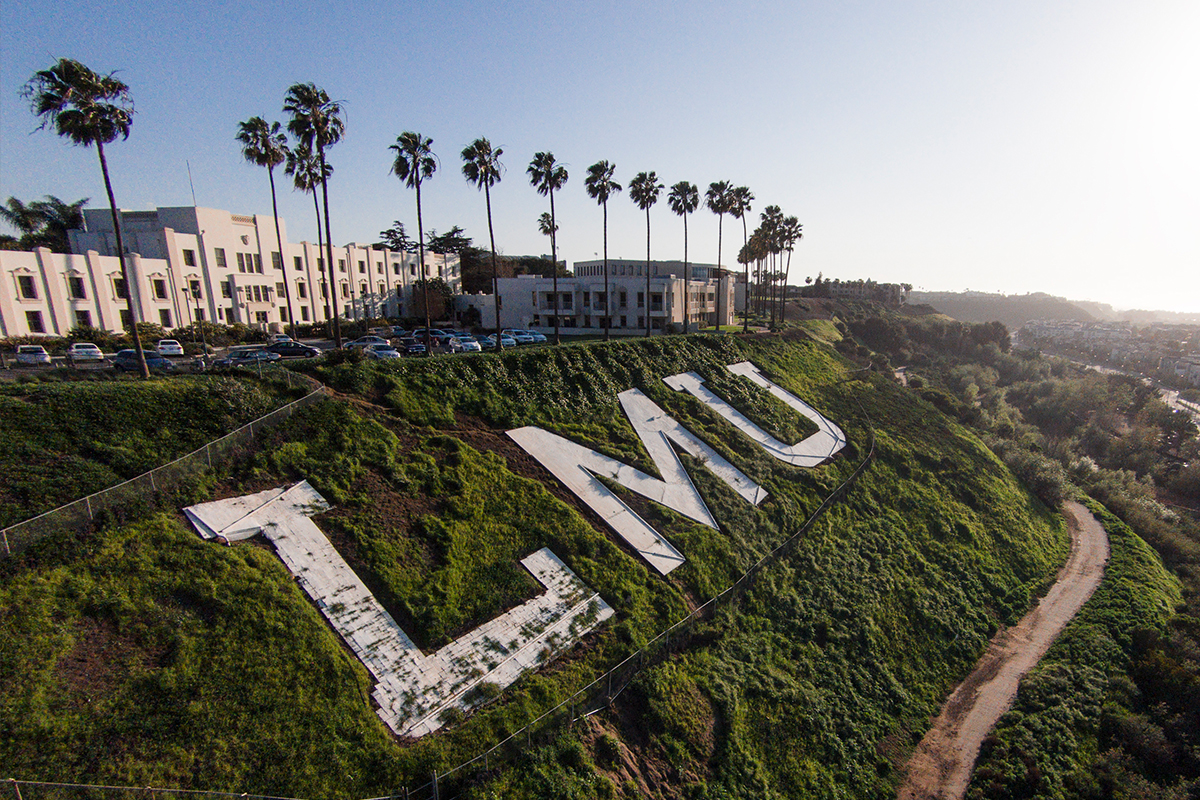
(93, 109)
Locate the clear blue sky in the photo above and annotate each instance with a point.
(1017, 146)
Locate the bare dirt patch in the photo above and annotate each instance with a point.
(941, 766)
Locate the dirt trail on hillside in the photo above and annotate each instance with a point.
(941, 766)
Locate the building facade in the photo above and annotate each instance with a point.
(585, 301)
(191, 263)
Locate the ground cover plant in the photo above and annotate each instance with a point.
(62, 440)
(819, 679)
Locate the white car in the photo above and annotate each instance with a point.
(169, 347)
(520, 336)
(84, 351)
(32, 354)
(464, 344)
(381, 352)
(275, 338)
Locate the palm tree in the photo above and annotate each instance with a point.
(307, 174)
(792, 233)
(684, 198)
(482, 167)
(600, 187)
(317, 122)
(643, 190)
(739, 206)
(89, 109)
(44, 223)
(414, 163)
(718, 201)
(772, 227)
(265, 145)
(26, 218)
(547, 176)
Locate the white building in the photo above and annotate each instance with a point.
(189, 262)
(527, 301)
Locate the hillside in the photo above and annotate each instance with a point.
(1012, 310)
(211, 669)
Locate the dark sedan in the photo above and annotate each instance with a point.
(246, 358)
(127, 361)
(292, 350)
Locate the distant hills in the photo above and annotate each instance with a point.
(1015, 310)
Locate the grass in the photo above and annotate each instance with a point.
(847, 646)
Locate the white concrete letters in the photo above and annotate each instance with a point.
(413, 690)
(808, 453)
(577, 466)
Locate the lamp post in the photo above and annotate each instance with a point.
(196, 298)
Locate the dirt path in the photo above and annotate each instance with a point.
(941, 765)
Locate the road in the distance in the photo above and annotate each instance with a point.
(941, 766)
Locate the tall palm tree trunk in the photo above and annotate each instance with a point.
(786, 275)
(487, 195)
(337, 325)
(287, 293)
(133, 314)
(746, 278)
(424, 277)
(320, 245)
(607, 318)
(648, 309)
(686, 275)
(720, 293)
(553, 258)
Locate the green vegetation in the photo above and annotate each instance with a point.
(817, 681)
(64, 440)
(1115, 710)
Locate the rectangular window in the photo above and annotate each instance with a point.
(362, 288)
(283, 314)
(320, 264)
(257, 293)
(304, 313)
(341, 265)
(34, 320)
(412, 269)
(301, 290)
(257, 262)
(567, 300)
(126, 320)
(200, 314)
(120, 289)
(225, 289)
(164, 318)
(587, 298)
(28, 288)
(276, 260)
(624, 299)
(641, 299)
(534, 294)
(299, 262)
(395, 267)
(345, 291)
(379, 267)
(362, 268)
(229, 315)
(189, 258)
(83, 318)
(195, 287)
(260, 316)
(324, 291)
(160, 289)
(280, 289)
(219, 252)
(241, 262)
(77, 289)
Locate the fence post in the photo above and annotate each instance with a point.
(88, 501)
(435, 788)
(153, 485)
(7, 552)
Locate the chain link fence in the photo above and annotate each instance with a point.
(43, 790)
(137, 492)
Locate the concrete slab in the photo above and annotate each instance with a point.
(809, 452)
(413, 690)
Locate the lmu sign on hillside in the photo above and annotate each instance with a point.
(578, 466)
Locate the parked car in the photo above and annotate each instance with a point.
(290, 349)
(436, 336)
(365, 341)
(411, 347)
(518, 335)
(464, 343)
(246, 358)
(127, 361)
(276, 338)
(538, 337)
(84, 351)
(489, 342)
(32, 354)
(381, 352)
(169, 347)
